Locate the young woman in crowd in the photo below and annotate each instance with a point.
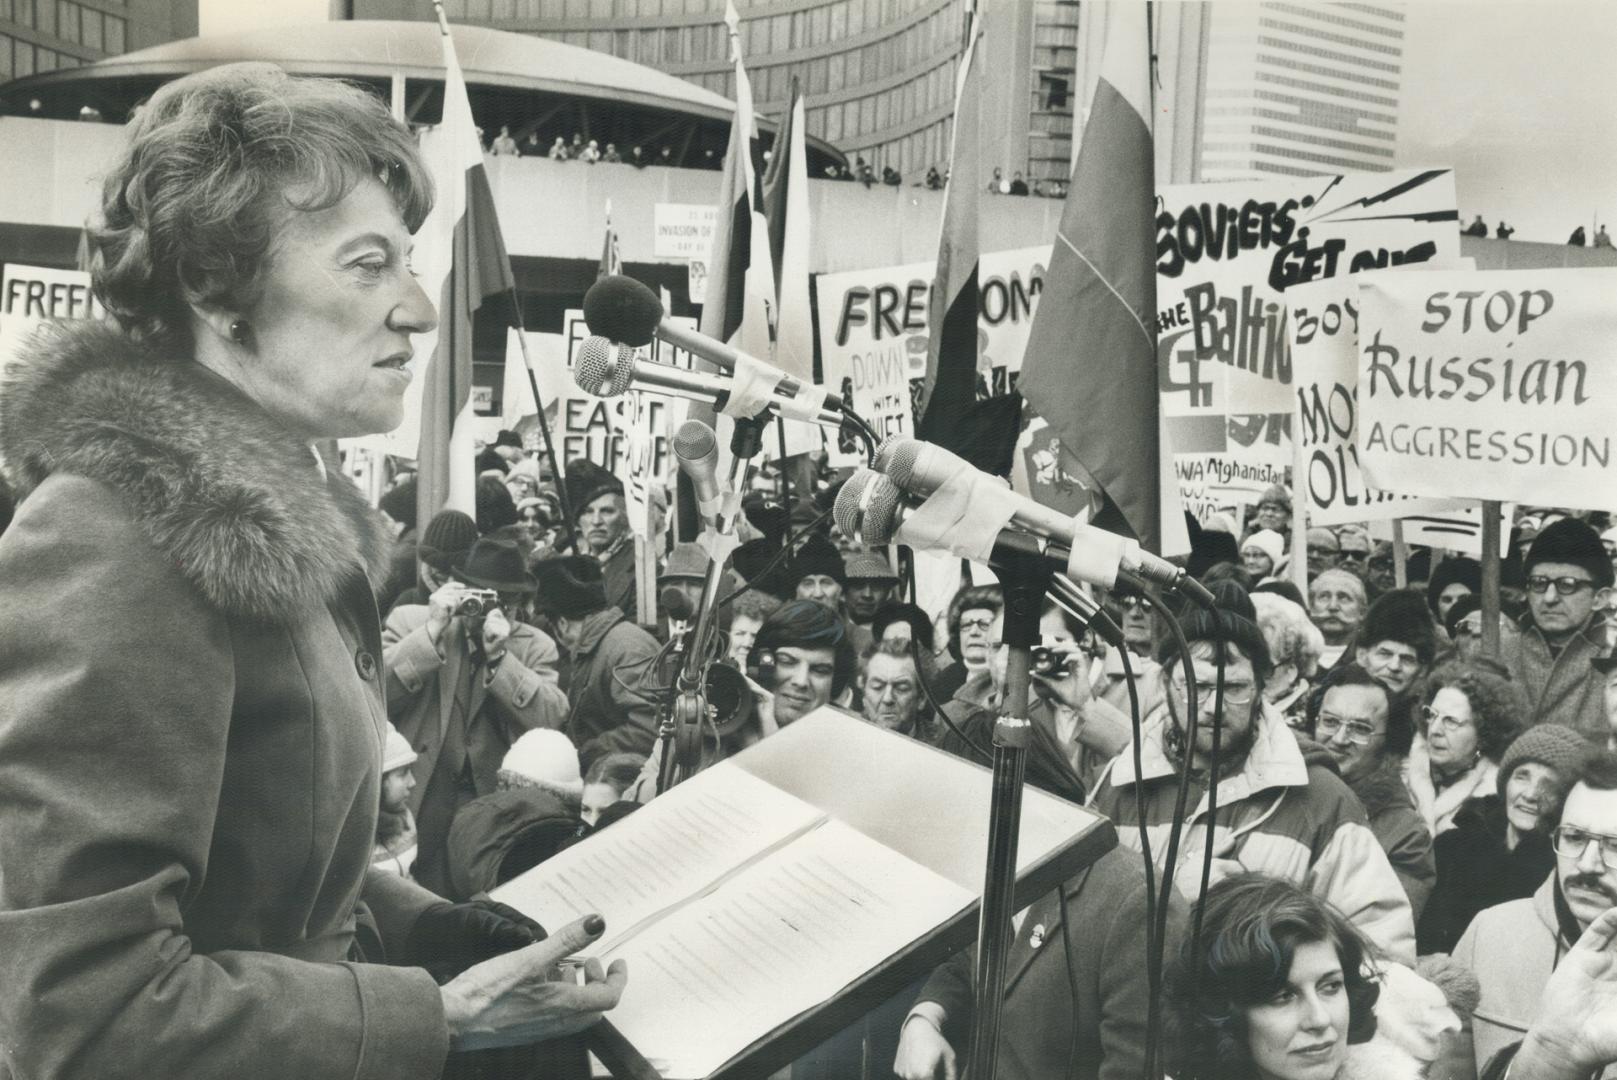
(1275, 989)
(1499, 848)
(608, 778)
(1470, 717)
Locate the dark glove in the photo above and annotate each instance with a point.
(449, 938)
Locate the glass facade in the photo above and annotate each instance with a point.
(1300, 90)
(48, 35)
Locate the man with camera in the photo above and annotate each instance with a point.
(465, 678)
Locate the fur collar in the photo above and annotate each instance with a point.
(224, 491)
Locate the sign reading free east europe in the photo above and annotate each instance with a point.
(1490, 385)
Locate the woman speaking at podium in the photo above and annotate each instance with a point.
(191, 719)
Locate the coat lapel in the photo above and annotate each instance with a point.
(1040, 930)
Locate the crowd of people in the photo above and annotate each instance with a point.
(264, 749)
(1383, 783)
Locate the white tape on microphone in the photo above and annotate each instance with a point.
(1096, 555)
(963, 516)
(755, 386)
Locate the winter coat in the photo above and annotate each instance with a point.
(1437, 808)
(490, 828)
(619, 574)
(191, 733)
(1279, 814)
(1512, 948)
(1091, 936)
(1564, 688)
(1475, 871)
(522, 695)
(610, 712)
(1400, 830)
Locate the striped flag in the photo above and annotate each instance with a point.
(1090, 368)
(948, 412)
(611, 261)
(786, 207)
(462, 262)
(740, 275)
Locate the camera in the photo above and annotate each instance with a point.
(1048, 661)
(474, 603)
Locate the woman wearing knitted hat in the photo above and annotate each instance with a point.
(1262, 553)
(191, 709)
(1499, 848)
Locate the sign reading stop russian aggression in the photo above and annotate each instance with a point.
(1322, 320)
(1226, 254)
(873, 336)
(1492, 385)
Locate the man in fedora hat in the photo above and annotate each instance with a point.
(465, 678)
(601, 528)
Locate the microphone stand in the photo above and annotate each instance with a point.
(1024, 576)
(683, 724)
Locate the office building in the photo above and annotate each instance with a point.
(49, 35)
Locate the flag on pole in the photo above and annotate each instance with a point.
(786, 207)
(611, 261)
(740, 282)
(1090, 368)
(948, 412)
(463, 264)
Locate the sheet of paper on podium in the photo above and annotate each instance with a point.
(740, 907)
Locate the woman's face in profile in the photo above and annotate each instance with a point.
(1301, 1033)
(330, 336)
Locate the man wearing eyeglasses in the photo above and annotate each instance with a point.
(1280, 811)
(1569, 581)
(1513, 948)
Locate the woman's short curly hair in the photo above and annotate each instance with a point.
(1290, 633)
(1498, 706)
(1252, 926)
(214, 163)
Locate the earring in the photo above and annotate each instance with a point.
(238, 331)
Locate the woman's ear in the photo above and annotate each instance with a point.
(220, 323)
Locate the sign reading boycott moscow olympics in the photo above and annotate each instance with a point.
(1490, 385)
(683, 230)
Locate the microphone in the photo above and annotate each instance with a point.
(621, 309)
(675, 605)
(696, 449)
(607, 370)
(920, 468)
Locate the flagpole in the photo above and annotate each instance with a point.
(544, 425)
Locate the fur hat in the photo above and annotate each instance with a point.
(495, 507)
(1574, 542)
(586, 482)
(1462, 607)
(687, 560)
(817, 556)
(396, 751)
(1555, 745)
(751, 560)
(545, 758)
(1276, 493)
(1457, 570)
(869, 566)
(507, 437)
(571, 586)
(1400, 615)
(398, 503)
(1270, 543)
(448, 538)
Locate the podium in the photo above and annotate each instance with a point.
(862, 797)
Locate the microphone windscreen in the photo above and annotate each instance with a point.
(694, 441)
(621, 309)
(867, 508)
(602, 368)
(675, 605)
(897, 458)
(847, 511)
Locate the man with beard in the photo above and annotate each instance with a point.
(1569, 580)
(1336, 602)
(1279, 812)
(1513, 948)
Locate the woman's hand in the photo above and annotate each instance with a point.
(1576, 1032)
(522, 997)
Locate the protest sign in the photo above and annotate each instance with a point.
(1458, 529)
(1225, 254)
(1494, 385)
(873, 336)
(601, 429)
(683, 230)
(1322, 323)
(41, 292)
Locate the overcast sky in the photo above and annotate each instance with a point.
(1518, 97)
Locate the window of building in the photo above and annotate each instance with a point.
(24, 64)
(819, 25)
(90, 28)
(599, 9)
(856, 17)
(505, 9)
(833, 123)
(479, 9)
(115, 34)
(850, 120)
(835, 72)
(884, 112)
(23, 12)
(780, 33)
(867, 115)
(816, 76)
(5, 57)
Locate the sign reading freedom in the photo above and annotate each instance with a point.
(1492, 385)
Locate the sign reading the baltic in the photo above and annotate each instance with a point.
(1492, 385)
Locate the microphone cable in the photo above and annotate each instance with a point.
(1219, 648)
(1153, 973)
